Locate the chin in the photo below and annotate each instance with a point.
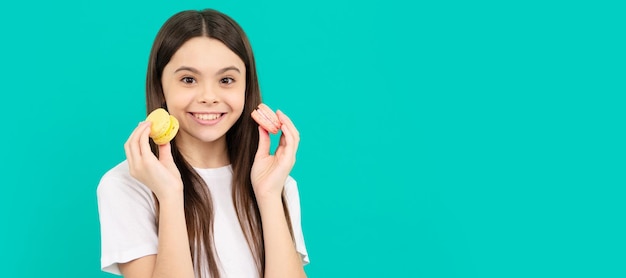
(210, 138)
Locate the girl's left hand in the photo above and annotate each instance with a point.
(269, 172)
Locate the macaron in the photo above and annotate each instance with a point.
(266, 118)
(164, 126)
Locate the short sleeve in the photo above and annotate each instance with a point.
(127, 219)
(293, 204)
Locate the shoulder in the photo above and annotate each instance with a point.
(291, 189)
(118, 182)
(291, 184)
(290, 181)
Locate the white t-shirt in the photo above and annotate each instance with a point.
(128, 221)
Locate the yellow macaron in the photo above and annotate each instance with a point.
(164, 126)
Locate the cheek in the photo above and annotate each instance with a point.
(176, 101)
(237, 100)
(167, 91)
(172, 92)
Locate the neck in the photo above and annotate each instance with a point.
(204, 154)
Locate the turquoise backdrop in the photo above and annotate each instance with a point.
(439, 138)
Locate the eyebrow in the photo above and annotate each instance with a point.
(194, 70)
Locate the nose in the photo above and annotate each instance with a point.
(207, 94)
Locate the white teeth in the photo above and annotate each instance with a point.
(207, 117)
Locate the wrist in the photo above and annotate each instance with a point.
(172, 194)
(269, 199)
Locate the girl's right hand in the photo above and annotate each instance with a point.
(159, 174)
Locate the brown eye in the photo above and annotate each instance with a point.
(188, 80)
(227, 80)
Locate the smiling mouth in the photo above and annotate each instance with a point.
(208, 116)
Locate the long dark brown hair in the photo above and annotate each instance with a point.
(242, 138)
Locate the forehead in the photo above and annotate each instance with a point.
(205, 54)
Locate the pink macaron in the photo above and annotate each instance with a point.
(266, 118)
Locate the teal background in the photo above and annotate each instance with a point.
(439, 138)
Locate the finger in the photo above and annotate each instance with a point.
(287, 144)
(144, 141)
(263, 149)
(129, 158)
(132, 152)
(282, 117)
(136, 137)
(127, 147)
(282, 144)
(165, 154)
(292, 137)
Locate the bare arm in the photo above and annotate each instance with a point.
(173, 258)
(281, 257)
(268, 176)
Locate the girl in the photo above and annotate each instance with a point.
(213, 202)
